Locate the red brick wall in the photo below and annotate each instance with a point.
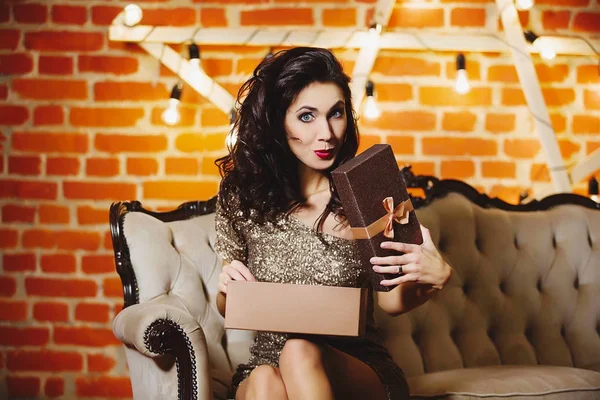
(80, 127)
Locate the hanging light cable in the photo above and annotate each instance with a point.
(371, 108)
(462, 85)
(546, 51)
(171, 115)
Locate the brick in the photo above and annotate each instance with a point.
(402, 144)
(513, 97)
(588, 74)
(500, 123)
(403, 121)
(92, 312)
(100, 363)
(108, 64)
(28, 189)
(509, 194)
(473, 69)
(55, 65)
(105, 386)
(446, 96)
(99, 190)
(404, 17)
(209, 167)
(24, 165)
(4, 13)
(18, 262)
(463, 121)
(44, 360)
(9, 38)
(30, 13)
(60, 287)
(591, 99)
(591, 147)
(54, 387)
(394, 92)
(181, 16)
(102, 167)
(87, 215)
(568, 3)
(8, 238)
(277, 17)
(85, 336)
(502, 73)
(112, 288)
(457, 169)
(213, 17)
(217, 67)
(49, 311)
(108, 241)
(468, 17)
(8, 285)
(3, 92)
(523, 19)
(13, 115)
(18, 213)
(585, 124)
(339, 17)
(539, 173)
(192, 142)
(69, 15)
(16, 64)
(498, 169)
(39, 238)
(104, 15)
(42, 142)
(75, 240)
(13, 310)
(50, 89)
(181, 166)
(29, 336)
(62, 166)
(586, 22)
(212, 117)
(555, 20)
(144, 166)
(105, 117)
(405, 66)
(125, 91)
(98, 264)
(22, 386)
(179, 190)
(64, 41)
(559, 122)
(115, 143)
(48, 115)
(568, 148)
(556, 97)
(422, 167)
(188, 116)
(458, 146)
(61, 263)
(521, 148)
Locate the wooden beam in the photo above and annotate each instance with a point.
(533, 95)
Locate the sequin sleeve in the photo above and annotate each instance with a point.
(230, 243)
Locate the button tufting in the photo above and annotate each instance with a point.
(502, 287)
(478, 244)
(576, 283)
(516, 243)
(554, 242)
(539, 285)
(590, 240)
(563, 331)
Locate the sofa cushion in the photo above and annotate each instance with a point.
(508, 381)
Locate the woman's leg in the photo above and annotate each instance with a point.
(312, 371)
(264, 382)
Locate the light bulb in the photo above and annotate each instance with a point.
(462, 85)
(546, 51)
(524, 4)
(171, 115)
(371, 109)
(133, 15)
(230, 139)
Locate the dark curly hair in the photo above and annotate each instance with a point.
(260, 174)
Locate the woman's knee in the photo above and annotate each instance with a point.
(264, 382)
(298, 354)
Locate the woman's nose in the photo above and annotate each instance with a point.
(324, 132)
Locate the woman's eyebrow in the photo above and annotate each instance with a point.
(310, 108)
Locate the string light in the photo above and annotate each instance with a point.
(194, 55)
(524, 4)
(171, 115)
(593, 189)
(371, 108)
(231, 137)
(462, 85)
(133, 15)
(376, 28)
(546, 51)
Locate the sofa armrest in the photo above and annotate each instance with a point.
(155, 328)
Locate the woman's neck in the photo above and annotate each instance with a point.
(312, 182)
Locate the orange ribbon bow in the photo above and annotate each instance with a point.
(400, 214)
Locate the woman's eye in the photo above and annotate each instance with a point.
(337, 113)
(307, 117)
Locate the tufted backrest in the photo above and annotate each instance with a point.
(526, 290)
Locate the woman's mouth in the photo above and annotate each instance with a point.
(324, 154)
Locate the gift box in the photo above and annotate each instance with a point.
(291, 308)
(377, 206)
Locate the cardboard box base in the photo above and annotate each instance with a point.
(289, 308)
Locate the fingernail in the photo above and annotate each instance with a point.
(384, 244)
(375, 268)
(372, 260)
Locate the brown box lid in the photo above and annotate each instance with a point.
(308, 309)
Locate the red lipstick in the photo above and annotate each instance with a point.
(324, 154)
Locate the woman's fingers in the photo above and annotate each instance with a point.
(242, 270)
(233, 273)
(401, 247)
(394, 260)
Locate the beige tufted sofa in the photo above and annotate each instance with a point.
(520, 317)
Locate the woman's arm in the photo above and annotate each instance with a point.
(232, 271)
(422, 273)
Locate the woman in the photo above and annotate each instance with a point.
(279, 219)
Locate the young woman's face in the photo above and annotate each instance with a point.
(315, 124)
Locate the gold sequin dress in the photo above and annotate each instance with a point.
(291, 252)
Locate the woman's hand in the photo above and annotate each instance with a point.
(419, 263)
(235, 271)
